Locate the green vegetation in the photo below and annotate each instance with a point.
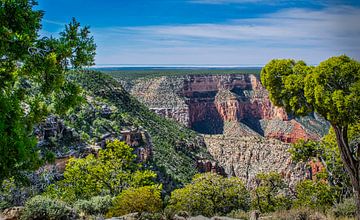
(42, 207)
(97, 205)
(110, 173)
(175, 148)
(210, 194)
(33, 80)
(269, 193)
(331, 89)
(314, 194)
(142, 199)
(154, 73)
(326, 152)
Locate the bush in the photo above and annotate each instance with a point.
(296, 214)
(142, 199)
(314, 194)
(269, 194)
(113, 170)
(97, 205)
(151, 216)
(345, 209)
(210, 194)
(41, 207)
(239, 214)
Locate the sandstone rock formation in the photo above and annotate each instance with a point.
(206, 102)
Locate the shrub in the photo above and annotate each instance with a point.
(142, 199)
(97, 205)
(151, 216)
(209, 194)
(345, 209)
(269, 195)
(314, 194)
(42, 207)
(296, 214)
(113, 170)
(239, 214)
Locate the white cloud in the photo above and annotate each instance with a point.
(307, 34)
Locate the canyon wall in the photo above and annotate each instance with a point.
(243, 131)
(205, 102)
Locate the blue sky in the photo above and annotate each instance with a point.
(214, 32)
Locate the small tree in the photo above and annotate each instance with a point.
(141, 199)
(314, 194)
(269, 193)
(331, 89)
(209, 194)
(114, 170)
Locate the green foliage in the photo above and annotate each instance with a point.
(296, 214)
(326, 151)
(331, 89)
(209, 194)
(141, 199)
(347, 208)
(284, 79)
(314, 194)
(39, 86)
(114, 170)
(98, 205)
(169, 139)
(41, 207)
(269, 193)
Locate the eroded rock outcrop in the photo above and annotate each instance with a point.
(246, 156)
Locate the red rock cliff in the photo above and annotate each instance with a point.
(205, 102)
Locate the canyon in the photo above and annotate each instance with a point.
(205, 102)
(243, 131)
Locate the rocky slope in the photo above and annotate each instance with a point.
(110, 111)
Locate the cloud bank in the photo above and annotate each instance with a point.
(308, 34)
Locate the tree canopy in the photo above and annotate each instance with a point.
(209, 194)
(114, 170)
(33, 79)
(331, 89)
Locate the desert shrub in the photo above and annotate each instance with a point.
(42, 207)
(345, 209)
(239, 214)
(268, 194)
(314, 194)
(141, 199)
(209, 194)
(97, 205)
(296, 214)
(152, 216)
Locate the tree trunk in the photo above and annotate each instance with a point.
(350, 161)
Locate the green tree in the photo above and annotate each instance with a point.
(33, 80)
(141, 199)
(114, 170)
(314, 194)
(209, 194)
(331, 89)
(327, 152)
(269, 193)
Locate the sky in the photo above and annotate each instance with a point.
(211, 32)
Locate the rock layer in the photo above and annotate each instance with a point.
(206, 102)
